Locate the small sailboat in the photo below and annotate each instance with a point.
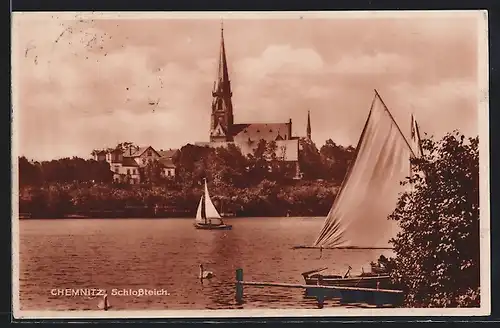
(207, 216)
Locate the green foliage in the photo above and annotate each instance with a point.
(437, 250)
(152, 173)
(336, 159)
(310, 160)
(63, 170)
(261, 184)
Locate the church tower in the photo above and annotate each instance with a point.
(222, 107)
(309, 125)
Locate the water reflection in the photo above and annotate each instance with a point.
(166, 254)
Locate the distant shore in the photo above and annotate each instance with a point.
(28, 216)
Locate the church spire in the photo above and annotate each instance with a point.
(309, 125)
(222, 107)
(222, 83)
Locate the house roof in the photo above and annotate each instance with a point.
(166, 162)
(136, 152)
(129, 161)
(167, 153)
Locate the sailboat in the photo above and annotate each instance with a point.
(207, 216)
(358, 218)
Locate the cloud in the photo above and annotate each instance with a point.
(115, 93)
(378, 63)
(279, 59)
(150, 80)
(441, 107)
(317, 91)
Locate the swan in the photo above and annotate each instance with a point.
(205, 274)
(104, 303)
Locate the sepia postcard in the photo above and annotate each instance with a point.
(284, 164)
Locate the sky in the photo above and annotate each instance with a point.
(84, 82)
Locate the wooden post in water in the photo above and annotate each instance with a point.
(320, 298)
(239, 286)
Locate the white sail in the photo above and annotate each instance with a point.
(210, 211)
(199, 217)
(371, 188)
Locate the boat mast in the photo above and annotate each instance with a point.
(204, 208)
(395, 123)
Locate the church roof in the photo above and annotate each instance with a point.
(258, 131)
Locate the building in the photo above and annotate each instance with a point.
(246, 136)
(127, 165)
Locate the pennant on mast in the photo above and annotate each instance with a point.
(415, 137)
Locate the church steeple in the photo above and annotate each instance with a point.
(222, 106)
(308, 125)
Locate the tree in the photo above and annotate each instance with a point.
(29, 173)
(437, 250)
(189, 163)
(126, 146)
(310, 160)
(152, 172)
(226, 166)
(336, 159)
(257, 163)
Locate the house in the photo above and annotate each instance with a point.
(128, 164)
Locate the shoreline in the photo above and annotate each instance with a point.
(160, 217)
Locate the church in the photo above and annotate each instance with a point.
(246, 136)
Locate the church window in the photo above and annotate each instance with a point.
(128, 171)
(143, 161)
(150, 153)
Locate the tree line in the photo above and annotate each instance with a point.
(261, 184)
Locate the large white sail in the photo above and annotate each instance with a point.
(371, 188)
(199, 217)
(210, 211)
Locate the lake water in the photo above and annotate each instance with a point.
(166, 254)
